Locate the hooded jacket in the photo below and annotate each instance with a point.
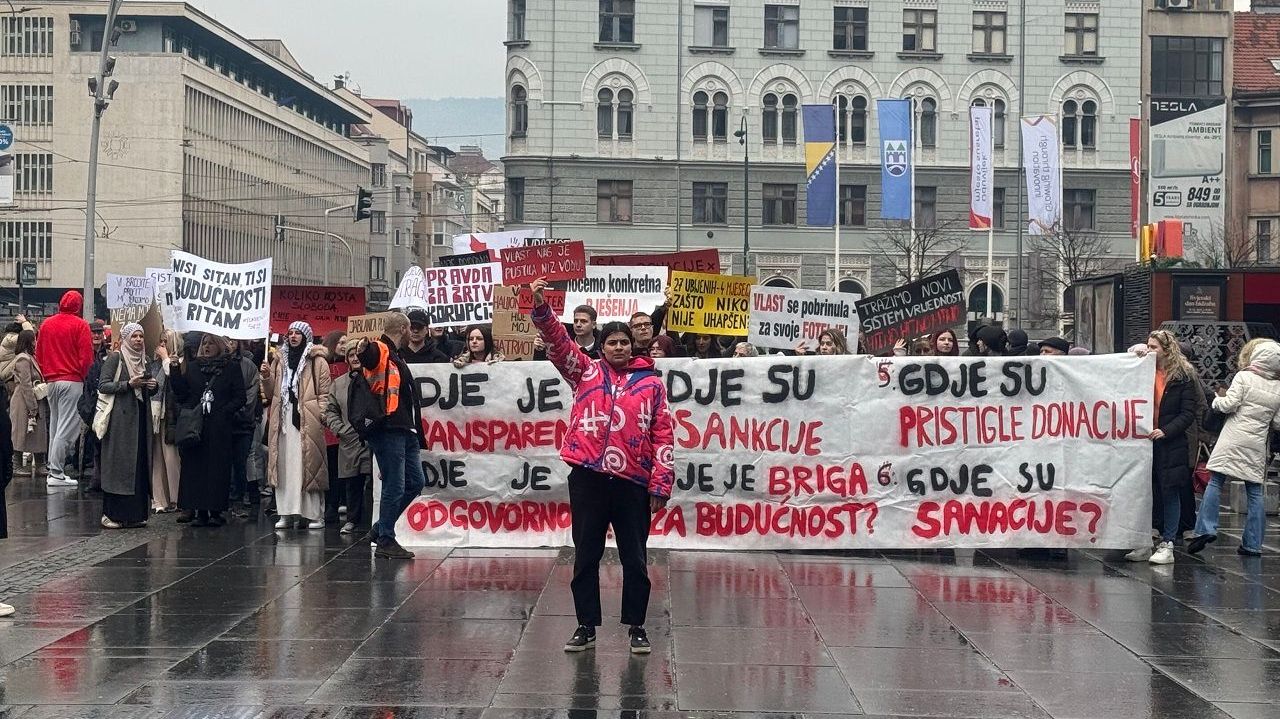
(65, 348)
(620, 424)
(1251, 405)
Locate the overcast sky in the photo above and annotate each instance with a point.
(392, 48)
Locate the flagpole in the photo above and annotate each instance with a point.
(991, 223)
(839, 202)
(911, 246)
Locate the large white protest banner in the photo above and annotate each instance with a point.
(845, 452)
(781, 318)
(227, 300)
(496, 241)
(129, 291)
(451, 296)
(616, 293)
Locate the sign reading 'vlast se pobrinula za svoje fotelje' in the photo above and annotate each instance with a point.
(912, 310)
(838, 452)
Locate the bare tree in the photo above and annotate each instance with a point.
(1066, 255)
(928, 250)
(1225, 247)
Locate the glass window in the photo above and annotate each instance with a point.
(25, 36)
(1089, 124)
(519, 111)
(1264, 240)
(769, 118)
(997, 208)
(789, 122)
(710, 202)
(1078, 209)
(604, 113)
(1187, 66)
(851, 116)
(377, 268)
(33, 173)
(778, 204)
(1070, 124)
(617, 20)
(1081, 34)
(782, 27)
(1264, 152)
(29, 105)
(720, 117)
(378, 175)
(919, 30)
(625, 113)
(22, 240)
(613, 201)
(989, 33)
(515, 31)
(850, 31)
(710, 26)
(928, 111)
(926, 206)
(700, 116)
(378, 222)
(853, 205)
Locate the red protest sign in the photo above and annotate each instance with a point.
(560, 261)
(555, 298)
(324, 308)
(705, 261)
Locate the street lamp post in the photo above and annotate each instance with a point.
(328, 212)
(102, 95)
(741, 134)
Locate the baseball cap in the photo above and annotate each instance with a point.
(418, 317)
(97, 327)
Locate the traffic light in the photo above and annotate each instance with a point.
(279, 228)
(364, 204)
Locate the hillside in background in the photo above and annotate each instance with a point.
(455, 121)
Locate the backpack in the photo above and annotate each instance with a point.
(366, 411)
(87, 405)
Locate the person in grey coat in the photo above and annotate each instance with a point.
(126, 446)
(355, 464)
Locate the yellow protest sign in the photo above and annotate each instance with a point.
(710, 304)
(367, 327)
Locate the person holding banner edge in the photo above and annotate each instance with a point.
(620, 447)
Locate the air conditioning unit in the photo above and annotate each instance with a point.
(132, 25)
(1178, 4)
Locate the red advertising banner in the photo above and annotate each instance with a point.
(324, 308)
(705, 261)
(1135, 173)
(560, 261)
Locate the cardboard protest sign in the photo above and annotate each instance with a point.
(496, 241)
(514, 348)
(554, 262)
(508, 320)
(325, 308)
(707, 261)
(129, 291)
(782, 317)
(616, 293)
(766, 456)
(555, 298)
(147, 315)
(482, 257)
(367, 327)
(912, 310)
(226, 300)
(709, 304)
(451, 296)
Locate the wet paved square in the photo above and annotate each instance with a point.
(175, 622)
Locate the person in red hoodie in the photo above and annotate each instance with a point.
(64, 352)
(619, 447)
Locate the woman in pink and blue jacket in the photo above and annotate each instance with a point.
(619, 446)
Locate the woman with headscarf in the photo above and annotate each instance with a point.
(209, 383)
(297, 386)
(28, 416)
(1252, 406)
(126, 446)
(165, 469)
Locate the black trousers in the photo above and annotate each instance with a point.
(598, 500)
(336, 494)
(356, 491)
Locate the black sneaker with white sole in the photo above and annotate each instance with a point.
(583, 638)
(639, 641)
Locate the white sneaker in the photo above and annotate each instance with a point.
(348, 528)
(314, 523)
(1141, 554)
(282, 522)
(1163, 554)
(53, 481)
(6, 610)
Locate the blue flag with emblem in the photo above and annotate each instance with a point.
(895, 159)
(820, 164)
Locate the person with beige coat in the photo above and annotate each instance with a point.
(296, 384)
(1252, 406)
(28, 415)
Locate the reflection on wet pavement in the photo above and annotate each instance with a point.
(242, 622)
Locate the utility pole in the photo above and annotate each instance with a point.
(741, 134)
(1022, 221)
(101, 98)
(328, 212)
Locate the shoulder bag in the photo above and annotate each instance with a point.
(106, 402)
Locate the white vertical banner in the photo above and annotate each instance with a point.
(1042, 152)
(981, 169)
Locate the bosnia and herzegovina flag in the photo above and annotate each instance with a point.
(895, 159)
(820, 164)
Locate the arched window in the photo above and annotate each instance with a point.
(769, 119)
(978, 302)
(852, 287)
(927, 122)
(604, 113)
(700, 116)
(720, 117)
(790, 107)
(519, 111)
(851, 114)
(615, 113)
(779, 281)
(997, 117)
(1080, 124)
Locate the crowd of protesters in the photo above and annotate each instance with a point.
(207, 427)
